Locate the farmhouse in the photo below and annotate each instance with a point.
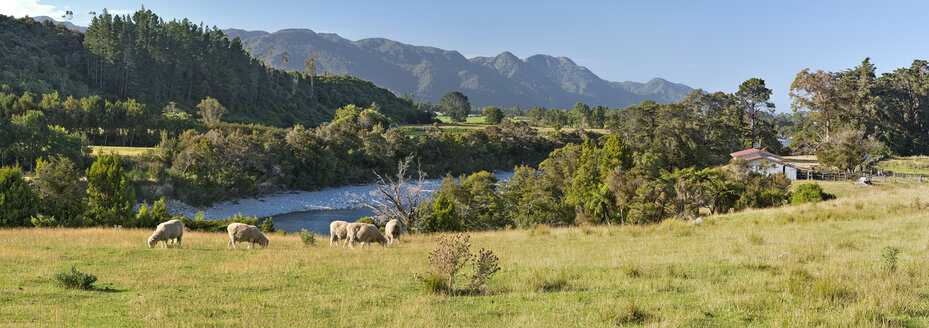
(767, 163)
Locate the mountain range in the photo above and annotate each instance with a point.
(69, 25)
(428, 73)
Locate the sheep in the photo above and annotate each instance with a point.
(240, 232)
(393, 229)
(337, 231)
(364, 233)
(166, 231)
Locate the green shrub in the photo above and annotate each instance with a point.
(308, 238)
(110, 194)
(367, 219)
(75, 279)
(890, 258)
(268, 225)
(42, 221)
(18, 202)
(809, 193)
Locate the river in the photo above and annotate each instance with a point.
(310, 210)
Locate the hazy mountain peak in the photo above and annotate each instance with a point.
(428, 72)
(69, 25)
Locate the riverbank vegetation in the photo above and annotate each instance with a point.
(820, 264)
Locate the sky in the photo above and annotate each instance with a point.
(713, 45)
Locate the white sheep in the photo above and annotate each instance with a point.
(337, 231)
(364, 233)
(393, 229)
(240, 232)
(166, 231)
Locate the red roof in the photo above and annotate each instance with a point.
(753, 151)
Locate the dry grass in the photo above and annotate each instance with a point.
(811, 265)
(123, 151)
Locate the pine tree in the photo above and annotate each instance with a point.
(110, 195)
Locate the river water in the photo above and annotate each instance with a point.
(310, 210)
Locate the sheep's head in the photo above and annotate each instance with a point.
(151, 242)
(263, 242)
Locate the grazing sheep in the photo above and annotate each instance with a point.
(392, 229)
(364, 233)
(240, 232)
(166, 231)
(337, 231)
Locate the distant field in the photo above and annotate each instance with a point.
(812, 265)
(906, 165)
(124, 151)
(470, 120)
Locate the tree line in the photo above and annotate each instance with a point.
(142, 57)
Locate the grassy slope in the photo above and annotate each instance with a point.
(906, 165)
(798, 266)
(123, 151)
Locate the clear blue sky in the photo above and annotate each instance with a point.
(714, 45)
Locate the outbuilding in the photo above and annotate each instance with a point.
(767, 163)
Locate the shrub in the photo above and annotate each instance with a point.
(63, 195)
(268, 225)
(75, 279)
(110, 194)
(809, 193)
(42, 221)
(308, 238)
(449, 257)
(367, 219)
(890, 258)
(18, 203)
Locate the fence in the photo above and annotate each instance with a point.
(873, 175)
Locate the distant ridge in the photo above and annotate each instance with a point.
(428, 72)
(70, 26)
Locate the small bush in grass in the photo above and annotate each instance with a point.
(367, 219)
(75, 279)
(448, 258)
(308, 238)
(890, 258)
(755, 239)
(809, 193)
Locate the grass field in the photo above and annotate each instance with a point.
(906, 165)
(123, 151)
(810, 265)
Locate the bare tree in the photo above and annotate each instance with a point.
(400, 197)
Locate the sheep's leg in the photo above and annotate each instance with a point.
(231, 242)
(164, 244)
(178, 241)
(250, 245)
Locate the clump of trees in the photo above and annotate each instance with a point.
(854, 114)
(599, 182)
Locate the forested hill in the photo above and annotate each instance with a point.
(155, 62)
(428, 73)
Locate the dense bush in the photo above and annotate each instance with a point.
(150, 218)
(62, 193)
(308, 238)
(75, 279)
(366, 219)
(110, 196)
(809, 193)
(18, 202)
